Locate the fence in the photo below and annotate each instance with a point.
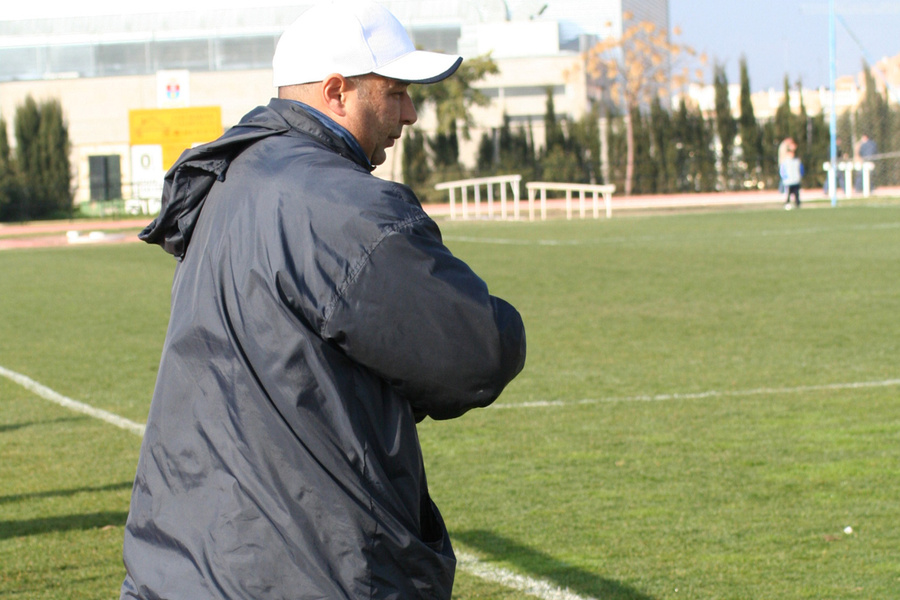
(844, 177)
(534, 188)
(487, 182)
(582, 188)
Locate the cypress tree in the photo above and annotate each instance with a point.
(485, 160)
(751, 135)
(445, 148)
(645, 166)
(664, 141)
(553, 132)
(42, 159)
(705, 153)
(784, 117)
(8, 200)
(26, 125)
(682, 165)
(415, 163)
(873, 117)
(586, 139)
(726, 128)
(769, 156)
(54, 150)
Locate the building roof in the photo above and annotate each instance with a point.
(576, 17)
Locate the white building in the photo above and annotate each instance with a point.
(102, 69)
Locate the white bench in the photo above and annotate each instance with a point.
(848, 167)
(582, 188)
(464, 184)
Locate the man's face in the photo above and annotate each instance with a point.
(376, 118)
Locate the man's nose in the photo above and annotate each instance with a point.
(408, 114)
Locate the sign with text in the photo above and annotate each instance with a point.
(175, 129)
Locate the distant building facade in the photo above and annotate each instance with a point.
(107, 69)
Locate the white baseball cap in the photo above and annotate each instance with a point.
(354, 37)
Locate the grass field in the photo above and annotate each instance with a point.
(709, 401)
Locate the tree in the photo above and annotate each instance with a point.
(557, 163)
(516, 149)
(875, 119)
(54, 152)
(634, 69)
(27, 121)
(769, 157)
(663, 148)
(8, 197)
(452, 100)
(645, 167)
(748, 127)
(726, 127)
(445, 148)
(585, 135)
(415, 162)
(553, 132)
(486, 159)
(785, 123)
(42, 160)
(572, 149)
(695, 157)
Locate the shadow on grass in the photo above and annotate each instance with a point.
(113, 487)
(535, 563)
(28, 527)
(15, 426)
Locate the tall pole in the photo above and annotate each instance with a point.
(832, 77)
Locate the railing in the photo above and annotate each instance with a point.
(848, 168)
(582, 188)
(464, 184)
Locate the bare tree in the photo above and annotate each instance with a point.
(636, 68)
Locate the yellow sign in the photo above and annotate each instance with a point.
(175, 129)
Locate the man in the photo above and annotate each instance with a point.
(316, 318)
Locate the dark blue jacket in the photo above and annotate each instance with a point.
(316, 317)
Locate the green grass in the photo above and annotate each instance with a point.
(687, 424)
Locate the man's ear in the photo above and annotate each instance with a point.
(334, 93)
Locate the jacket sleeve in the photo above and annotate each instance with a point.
(425, 322)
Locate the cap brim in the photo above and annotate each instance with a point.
(421, 67)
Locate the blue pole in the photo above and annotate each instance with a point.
(832, 60)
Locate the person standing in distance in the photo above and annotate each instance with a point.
(791, 171)
(316, 318)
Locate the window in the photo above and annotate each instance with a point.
(181, 54)
(245, 52)
(106, 177)
(121, 59)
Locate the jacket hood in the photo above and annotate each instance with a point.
(188, 182)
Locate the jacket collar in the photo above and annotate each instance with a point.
(315, 124)
(339, 130)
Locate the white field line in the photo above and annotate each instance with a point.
(656, 238)
(467, 562)
(533, 587)
(709, 394)
(47, 394)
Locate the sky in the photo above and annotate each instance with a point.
(787, 37)
(778, 37)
